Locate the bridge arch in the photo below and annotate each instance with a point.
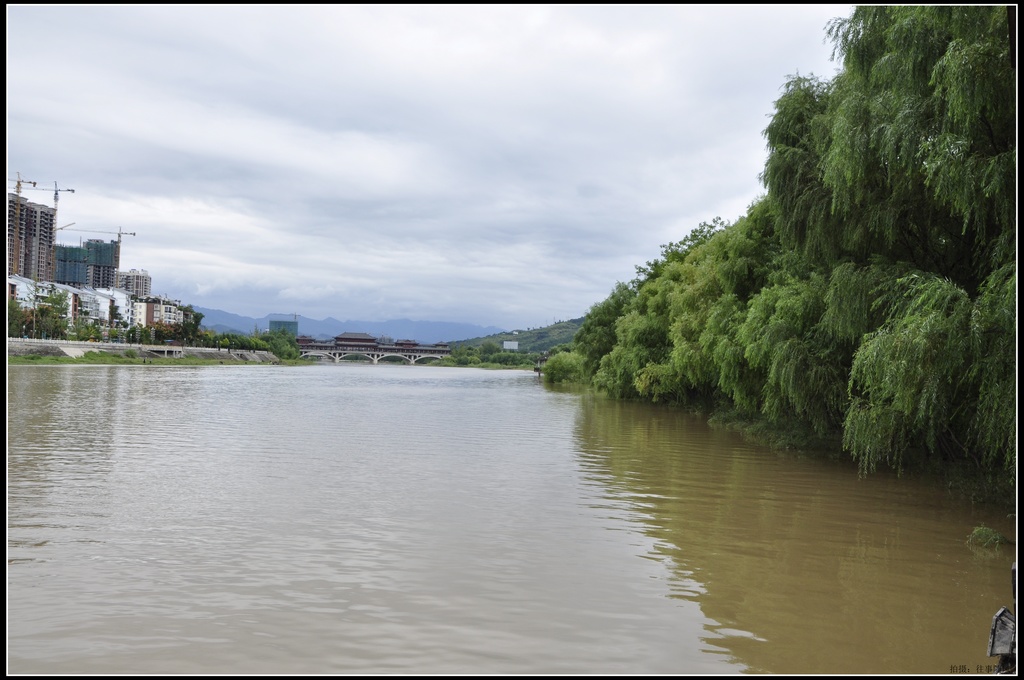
(305, 353)
(374, 357)
(409, 357)
(407, 351)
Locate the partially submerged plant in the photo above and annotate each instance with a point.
(984, 537)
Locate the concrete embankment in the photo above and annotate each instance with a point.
(70, 348)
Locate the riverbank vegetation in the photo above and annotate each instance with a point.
(128, 358)
(868, 298)
(531, 341)
(488, 355)
(283, 345)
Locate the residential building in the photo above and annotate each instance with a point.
(136, 281)
(145, 313)
(30, 238)
(94, 306)
(124, 307)
(30, 294)
(154, 310)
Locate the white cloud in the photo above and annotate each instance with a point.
(501, 165)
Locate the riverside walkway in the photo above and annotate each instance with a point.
(77, 348)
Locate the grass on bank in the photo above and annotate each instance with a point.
(130, 357)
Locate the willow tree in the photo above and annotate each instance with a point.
(900, 175)
(624, 340)
(641, 344)
(595, 337)
(720, 276)
(921, 154)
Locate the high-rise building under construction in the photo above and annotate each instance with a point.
(31, 230)
(71, 267)
(93, 264)
(102, 260)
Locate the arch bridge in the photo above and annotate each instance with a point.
(409, 353)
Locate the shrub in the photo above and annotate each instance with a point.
(564, 367)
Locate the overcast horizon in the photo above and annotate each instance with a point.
(496, 165)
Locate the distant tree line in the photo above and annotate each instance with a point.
(869, 296)
(488, 354)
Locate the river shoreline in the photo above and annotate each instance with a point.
(73, 351)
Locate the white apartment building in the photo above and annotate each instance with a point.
(158, 310)
(93, 305)
(122, 300)
(138, 282)
(90, 303)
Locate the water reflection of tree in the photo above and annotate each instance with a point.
(806, 567)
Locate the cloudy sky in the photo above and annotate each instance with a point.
(497, 165)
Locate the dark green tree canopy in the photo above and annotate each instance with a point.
(871, 293)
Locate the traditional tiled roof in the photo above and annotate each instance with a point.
(355, 336)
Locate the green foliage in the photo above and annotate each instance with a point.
(18, 319)
(129, 357)
(596, 335)
(641, 340)
(984, 537)
(698, 297)
(678, 250)
(805, 371)
(710, 305)
(994, 369)
(564, 367)
(462, 355)
(281, 344)
(802, 204)
(936, 373)
(509, 359)
(923, 137)
(49, 314)
(488, 355)
(850, 301)
(871, 293)
(488, 348)
(84, 329)
(190, 329)
(534, 340)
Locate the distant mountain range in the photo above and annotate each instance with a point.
(426, 332)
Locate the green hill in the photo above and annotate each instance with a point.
(536, 340)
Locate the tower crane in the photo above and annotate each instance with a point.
(21, 181)
(53, 243)
(56, 191)
(119, 232)
(56, 199)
